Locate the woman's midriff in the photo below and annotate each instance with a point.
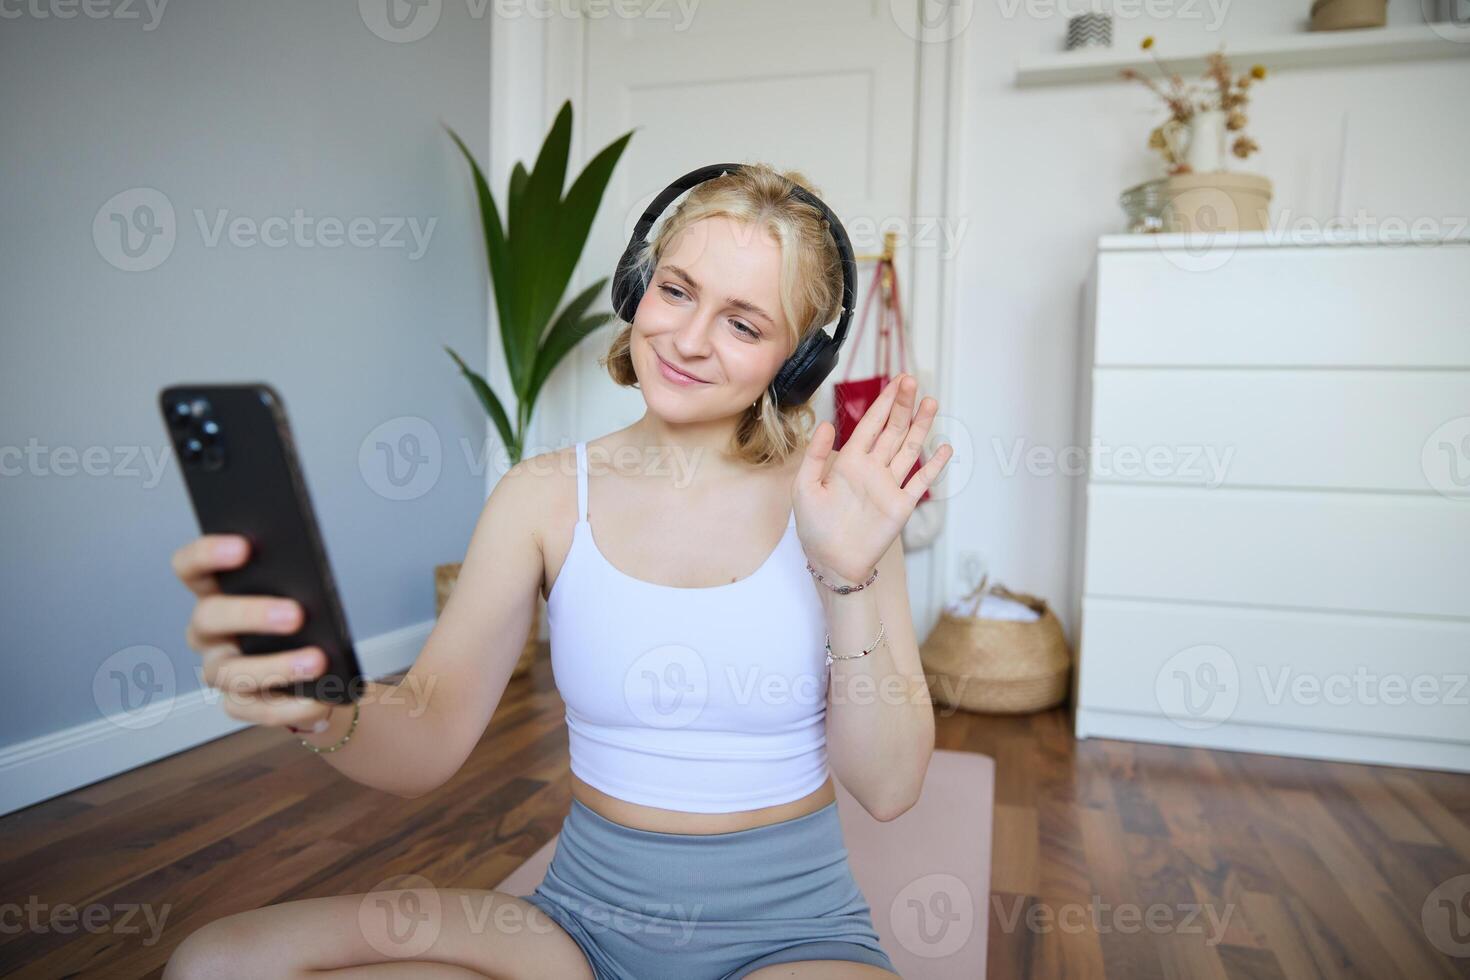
(663, 821)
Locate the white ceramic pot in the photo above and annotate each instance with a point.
(1206, 142)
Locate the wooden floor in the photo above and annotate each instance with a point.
(1111, 859)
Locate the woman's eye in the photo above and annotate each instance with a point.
(669, 289)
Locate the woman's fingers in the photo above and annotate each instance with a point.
(913, 442)
(276, 709)
(196, 562)
(249, 683)
(928, 473)
(814, 462)
(258, 671)
(219, 617)
(865, 433)
(900, 418)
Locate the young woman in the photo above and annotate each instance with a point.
(710, 676)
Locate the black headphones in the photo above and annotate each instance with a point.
(816, 356)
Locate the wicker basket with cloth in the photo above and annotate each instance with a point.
(1011, 665)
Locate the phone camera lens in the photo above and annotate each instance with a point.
(192, 449)
(210, 429)
(180, 413)
(199, 408)
(214, 458)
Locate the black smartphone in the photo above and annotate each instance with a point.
(239, 463)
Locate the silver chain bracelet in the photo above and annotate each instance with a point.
(841, 589)
(854, 656)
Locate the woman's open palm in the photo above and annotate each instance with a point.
(848, 514)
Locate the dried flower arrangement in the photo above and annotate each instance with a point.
(1228, 94)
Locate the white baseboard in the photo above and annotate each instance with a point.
(1373, 750)
(49, 765)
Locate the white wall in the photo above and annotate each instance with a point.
(1042, 170)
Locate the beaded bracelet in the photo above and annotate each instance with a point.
(854, 656)
(356, 710)
(841, 589)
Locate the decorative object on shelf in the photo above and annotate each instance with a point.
(1348, 15)
(1144, 206)
(1004, 654)
(1206, 152)
(1093, 30)
(531, 263)
(1208, 112)
(1200, 193)
(1218, 202)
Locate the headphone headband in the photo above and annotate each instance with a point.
(816, 356)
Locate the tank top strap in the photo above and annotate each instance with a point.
(581, 481)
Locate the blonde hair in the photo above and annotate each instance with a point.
(760, 197)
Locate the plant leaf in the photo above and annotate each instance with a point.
(541, 285)
(487, 399)
(503, 276)
(580, 208)
(568, 331)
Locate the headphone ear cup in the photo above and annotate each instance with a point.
(806, 369)
(627, 287)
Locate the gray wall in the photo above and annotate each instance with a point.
(257, 109)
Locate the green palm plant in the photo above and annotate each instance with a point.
(531, 262)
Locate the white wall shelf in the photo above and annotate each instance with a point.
(1304, 50)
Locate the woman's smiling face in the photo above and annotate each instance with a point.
(709, 334)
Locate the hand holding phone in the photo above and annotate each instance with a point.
(250, 682)
(268, 614)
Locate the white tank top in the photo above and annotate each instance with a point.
(707, 700)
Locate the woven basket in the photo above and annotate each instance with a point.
(998, 666)
(444, 578)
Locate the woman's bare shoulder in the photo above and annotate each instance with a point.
(541, 490)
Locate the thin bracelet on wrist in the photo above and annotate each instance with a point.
(854, 656)
(356, 710)
(841, 589)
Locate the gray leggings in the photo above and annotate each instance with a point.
(645, 905)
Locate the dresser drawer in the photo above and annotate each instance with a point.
(1328, 429)
(1387, 553)
(1379, 305)
(1203, 666)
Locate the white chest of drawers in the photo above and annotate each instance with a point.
(1275, 529)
